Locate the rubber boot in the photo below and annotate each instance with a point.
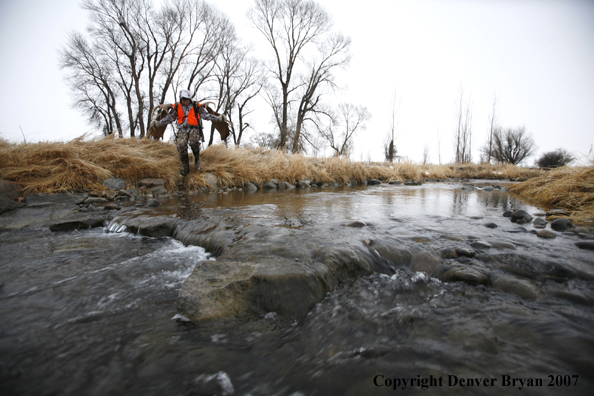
(185, 160)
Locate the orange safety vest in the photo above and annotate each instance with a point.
(193, 117)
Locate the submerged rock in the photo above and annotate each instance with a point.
(520, 287)
(539, 223)
(587, 245)
(151, 226)
(153, 203)
(462, 273)
(356, 224)
(521, 216)
(464, 252)
(529, 267)
(561, 224)
(226, 289)
(481, 245)
(546, 234)
(503, 245)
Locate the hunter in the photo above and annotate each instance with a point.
(189, 116)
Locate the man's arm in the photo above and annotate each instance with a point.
(168, 119)
(205, 115)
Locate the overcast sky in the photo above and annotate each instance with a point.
(536, 56)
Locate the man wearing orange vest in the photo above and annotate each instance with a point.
(189, 116)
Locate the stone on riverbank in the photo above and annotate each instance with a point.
(36, 216)
(151, 182)
(7, 204)
(212, 181)
(115, 184)
(56, 199)
(9, 190)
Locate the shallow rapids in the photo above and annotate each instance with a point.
(94, 312)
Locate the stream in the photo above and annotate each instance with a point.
(93, 312)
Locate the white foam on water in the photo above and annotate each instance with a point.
(419, 276)
(180, 318)
(220, 380)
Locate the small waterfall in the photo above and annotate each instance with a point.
(115, 227)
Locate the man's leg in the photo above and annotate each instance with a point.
(195, 145)
(181, 142)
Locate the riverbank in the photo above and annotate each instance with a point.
(84, 165)
(565, 188)
(81, 165)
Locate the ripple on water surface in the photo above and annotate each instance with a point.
(90, 312)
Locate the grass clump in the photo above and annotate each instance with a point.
(564, 188)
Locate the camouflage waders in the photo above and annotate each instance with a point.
(185, 136)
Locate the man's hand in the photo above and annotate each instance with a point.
(155, 124)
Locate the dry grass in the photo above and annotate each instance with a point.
(563, 188)
(82, 165)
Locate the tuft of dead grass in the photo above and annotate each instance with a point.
(563, 188)
(83, 165)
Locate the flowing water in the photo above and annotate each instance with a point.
(93, 312)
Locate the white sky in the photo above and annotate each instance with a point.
(537, 56)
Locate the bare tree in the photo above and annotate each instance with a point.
(333, 53)
(116, 32)
(425, 154)
(291, 27)
(511, 146)
(463, 132)
(90, 78)
(389, 146)
(493, 126)
(239, 80)
(438, 147)
(343, 126)
(390, 150)
(144, 52)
